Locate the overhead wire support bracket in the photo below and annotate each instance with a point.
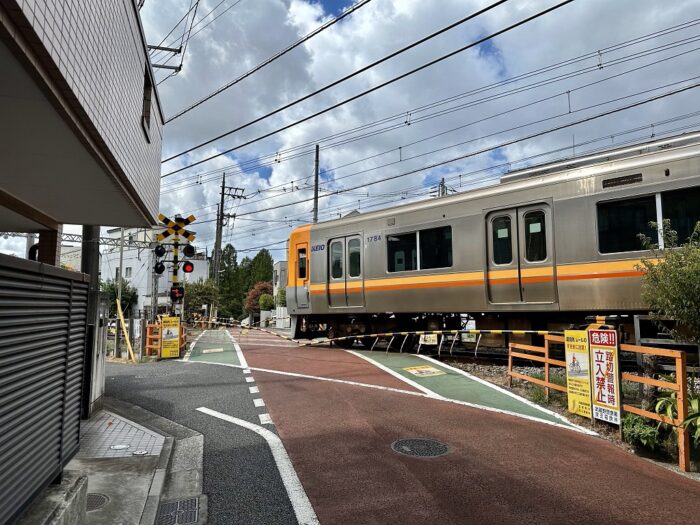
(165, 66)
(176, 50)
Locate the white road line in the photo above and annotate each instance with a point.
(189, 351)
(265, 419)
(502, 390)
(241, 357)
(297, 496)
(258, 402)
(250, 380)
(254, 390)
(394, 373)
(246, 371)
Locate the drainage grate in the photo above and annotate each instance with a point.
(420, 447)
(96, 501)
(182, 512)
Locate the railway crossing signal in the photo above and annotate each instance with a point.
(176, 230)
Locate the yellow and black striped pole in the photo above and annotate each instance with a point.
(176, 266)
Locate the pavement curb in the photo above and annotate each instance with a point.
(171, 481)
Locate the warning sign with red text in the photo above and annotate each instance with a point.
(604, 375)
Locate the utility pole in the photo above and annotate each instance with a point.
(154, 293)
(316, 186)
(219, 231)
(117, 353)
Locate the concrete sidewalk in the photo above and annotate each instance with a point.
(131, 466)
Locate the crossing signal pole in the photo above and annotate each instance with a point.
(176, 229)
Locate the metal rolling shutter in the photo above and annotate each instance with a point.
(42, 342)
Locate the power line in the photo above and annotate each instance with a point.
(366, 92)
(271, 59)
(502, 145)
(594, 54)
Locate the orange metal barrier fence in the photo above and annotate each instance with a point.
(542, 355)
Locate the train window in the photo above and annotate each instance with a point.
(682, 207)
(502, 244)
(354, 258)
(301, 258)
(435, 248)
(621, 222)
(535, 236)
(401, 252)
(336, 260)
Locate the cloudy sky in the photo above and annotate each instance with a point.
(583, 59)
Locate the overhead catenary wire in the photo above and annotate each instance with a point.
(361, 94)
(509, 164)
(501, 145)
(283, 154)
(271, 59)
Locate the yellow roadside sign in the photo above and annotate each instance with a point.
(170, 337)
(578, 372)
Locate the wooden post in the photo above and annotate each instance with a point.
(546, 368)
(683, 437)
(510, 365)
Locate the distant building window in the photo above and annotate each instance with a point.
(502, 243)
(127, 272)
(435, 248)
(682, 208)
(621, 222)
(147, 103)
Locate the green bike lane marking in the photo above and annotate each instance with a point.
(454, 385)
(215, 347)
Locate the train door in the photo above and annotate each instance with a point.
(521, 256)
(345, 281)
(503, 276)
(301, 275)
(536, 254)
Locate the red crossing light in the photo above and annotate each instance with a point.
(188, 267)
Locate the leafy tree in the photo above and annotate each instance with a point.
(266, 302)
(282, 297)
(261, 267)
(129, 296)
(252, 299)
(671, 282)
(197, 294)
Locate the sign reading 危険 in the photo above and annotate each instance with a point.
(170, 337)
(578, 374)
(604, 375)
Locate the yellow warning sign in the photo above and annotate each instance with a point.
(578, 375)
(170, 337)
(424, 371)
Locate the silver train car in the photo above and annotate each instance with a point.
(543, 249)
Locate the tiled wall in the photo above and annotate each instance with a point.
(98, 48)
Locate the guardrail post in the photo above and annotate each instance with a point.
(546, 368)
(683, 437)
(510, 364)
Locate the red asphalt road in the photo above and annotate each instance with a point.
(499, 468)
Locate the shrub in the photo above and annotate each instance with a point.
(266, 302)
(638, 432)
(282, 297)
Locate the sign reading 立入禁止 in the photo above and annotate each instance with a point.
(578, 373)
(604, 375)
(170, 337)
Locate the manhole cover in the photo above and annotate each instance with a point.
(179, 512)
(96, 501)
(420, 447)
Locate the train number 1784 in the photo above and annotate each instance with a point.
(374, 238)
